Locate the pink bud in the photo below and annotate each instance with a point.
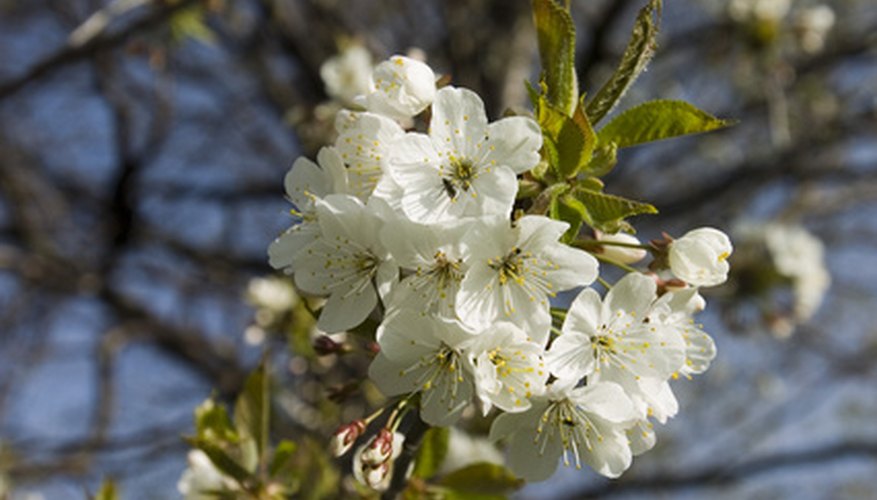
(324, 345)
(345, 436)
(379, 449)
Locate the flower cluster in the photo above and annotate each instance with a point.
(409, 219)
(784, 256)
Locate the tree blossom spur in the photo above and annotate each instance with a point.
(465, 167)
(508, 368)
(609, 340)
(347, 262)
(515, 270)
(582, 425)
(434, 255)
(425, 354)
(305, 183)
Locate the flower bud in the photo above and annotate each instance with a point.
(379, 449)
(401, 87)
(373, 462)
(700, 257)
(624, 255)
(324, 345)
(345, 436)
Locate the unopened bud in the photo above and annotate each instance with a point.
(324, 345)
(345, 436)
(377, 478)
(379, 449)
(625, 255)
(373, 462)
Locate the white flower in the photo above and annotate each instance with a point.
(515, 270)
(364, 142)
(465, 449)
(305, 183)
(800, 256)
(465, 167)
(625, 255)
(202, 477)
(399, 88)
(759, 10)
(272, 293)
(508, 368)
(434, 255)
(347, 263)
(347, 74)
(583, 425)
(674, 310)
(700, 257)
(813, 24)
(609, 339)
(425, 354)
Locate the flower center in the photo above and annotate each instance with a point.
(567, 422)
(462, 174)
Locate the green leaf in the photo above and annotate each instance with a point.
(569, 140)
(568, 209)
(191, 22)
(252, 411)
(282, 457)
(482, 478)
(604, 159)
(656, 120)
(606, 212)
(557, 44)
(432, 452)
(640, 49)
(108, 491)
(224, 462)
(212, 422)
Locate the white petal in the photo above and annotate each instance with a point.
(459, 122)
(570, 356)
(283, 250)
(514, 142)
(632, 294)
(573, 267)
(584, 313)
(606, 400)
(491, 193)
(344, 311)
(304, 181)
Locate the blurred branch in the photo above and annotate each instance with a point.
(722, 475)
(84, 47)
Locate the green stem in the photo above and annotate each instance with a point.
(615, 263)
(605, 283)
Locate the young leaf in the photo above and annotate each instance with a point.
(569, 140)
(568, 209)
(656, 120)
(251, 410)
(557, 44)
(482, 478)
(222, 460)
(282, 456)
(108, 491)
(639, 51)
(604, 159)
(432, 452)
(606, 212)
(212, 422)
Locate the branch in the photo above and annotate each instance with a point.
(722, 475)
(79, 47)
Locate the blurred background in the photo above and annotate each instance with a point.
(143, 145)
